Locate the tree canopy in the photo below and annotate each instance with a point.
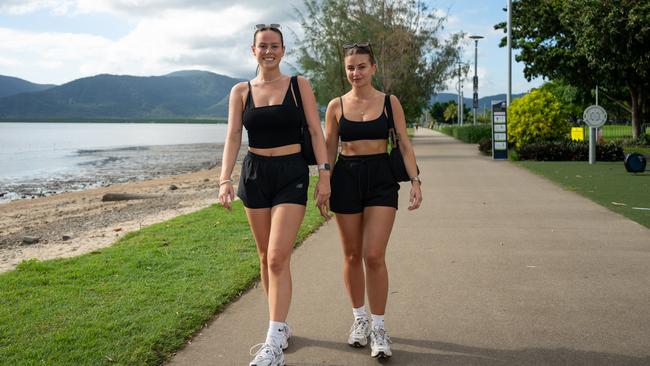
(587, 43)
(412, 62)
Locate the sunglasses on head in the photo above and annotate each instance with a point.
(267, 26)
(365, 45)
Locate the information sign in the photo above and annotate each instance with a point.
(499, 131)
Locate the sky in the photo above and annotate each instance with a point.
(57, 41)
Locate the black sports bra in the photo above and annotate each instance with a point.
(274, 125)
(377, 129)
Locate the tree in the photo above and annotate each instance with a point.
(587, 43)
(451, 112)
(536, 117)
(573, 101)
(412, 62)
(437, 111)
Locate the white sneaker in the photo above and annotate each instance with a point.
(287, 335)
(359, 332)
(380, 343)
(267, 355)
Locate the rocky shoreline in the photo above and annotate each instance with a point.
(105, 167)
(72, 223)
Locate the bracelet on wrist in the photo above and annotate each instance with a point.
(416, 179)
(225, 181)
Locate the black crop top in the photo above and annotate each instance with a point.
(274, 125)
(377, 129)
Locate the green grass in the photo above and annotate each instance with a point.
(618, 131)
(637, 149)
(613, 132)
(133, 303)
(608, 184)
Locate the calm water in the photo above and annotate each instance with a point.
(41, 149)
(71, 156)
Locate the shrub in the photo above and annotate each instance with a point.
(536, 117)
(485, 145)
(470, 134)
(473, 134)
(567, 150)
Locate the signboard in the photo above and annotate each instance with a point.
(475, 78)
(475, 101)
(499, 131)
(577, 134)
(595, 116)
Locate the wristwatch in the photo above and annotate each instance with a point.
(324, 166)
(416, 179)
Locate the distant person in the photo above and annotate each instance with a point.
(274, 177)
(417, 126)
(364, 191)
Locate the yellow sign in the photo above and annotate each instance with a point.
(577, 133)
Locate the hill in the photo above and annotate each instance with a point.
(10, 85)
(190, 93)
(485, 102)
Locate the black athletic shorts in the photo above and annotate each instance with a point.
(361, 181)
(267, 181)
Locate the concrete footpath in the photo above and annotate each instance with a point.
(498, 267)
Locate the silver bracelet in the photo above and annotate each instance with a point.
(224, 182)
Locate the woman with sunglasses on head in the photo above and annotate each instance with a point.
(364, 191)
(274, 178)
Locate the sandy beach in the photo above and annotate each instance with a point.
(74, 223)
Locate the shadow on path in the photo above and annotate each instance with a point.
(424, 352)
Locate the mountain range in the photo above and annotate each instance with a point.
(10, 85)
(483, 103)
(194, 94)
(181, 94)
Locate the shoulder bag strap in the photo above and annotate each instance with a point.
(296, 92)
(391, 123)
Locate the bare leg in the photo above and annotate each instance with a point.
(377, 225)
(259, 220)
(351, 232)
(285, 222)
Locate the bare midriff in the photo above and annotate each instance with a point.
(363, 147)
(276, 151)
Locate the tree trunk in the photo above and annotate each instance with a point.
(635, 106)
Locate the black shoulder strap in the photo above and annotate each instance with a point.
(249, 97)
(392, 134)
(341, 101)
(296, 90)
(389, 111)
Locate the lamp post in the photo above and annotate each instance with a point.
(459, 88)
(509, 53)
(475, 95)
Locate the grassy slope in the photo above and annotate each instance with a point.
(136, 301)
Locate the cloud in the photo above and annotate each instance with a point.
(173, 37)
(58, 7)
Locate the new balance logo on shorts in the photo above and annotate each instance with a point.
(299, 185)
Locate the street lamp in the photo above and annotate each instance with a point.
(509, 53)
(475, 96)
(459, 88)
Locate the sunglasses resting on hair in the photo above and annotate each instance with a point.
(267, 26)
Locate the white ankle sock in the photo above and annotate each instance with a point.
(275, 333)
(377, 321)
(360, 312)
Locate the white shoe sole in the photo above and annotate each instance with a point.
(357, 343)
(381, 354)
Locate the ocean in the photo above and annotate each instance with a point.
(38, 159)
